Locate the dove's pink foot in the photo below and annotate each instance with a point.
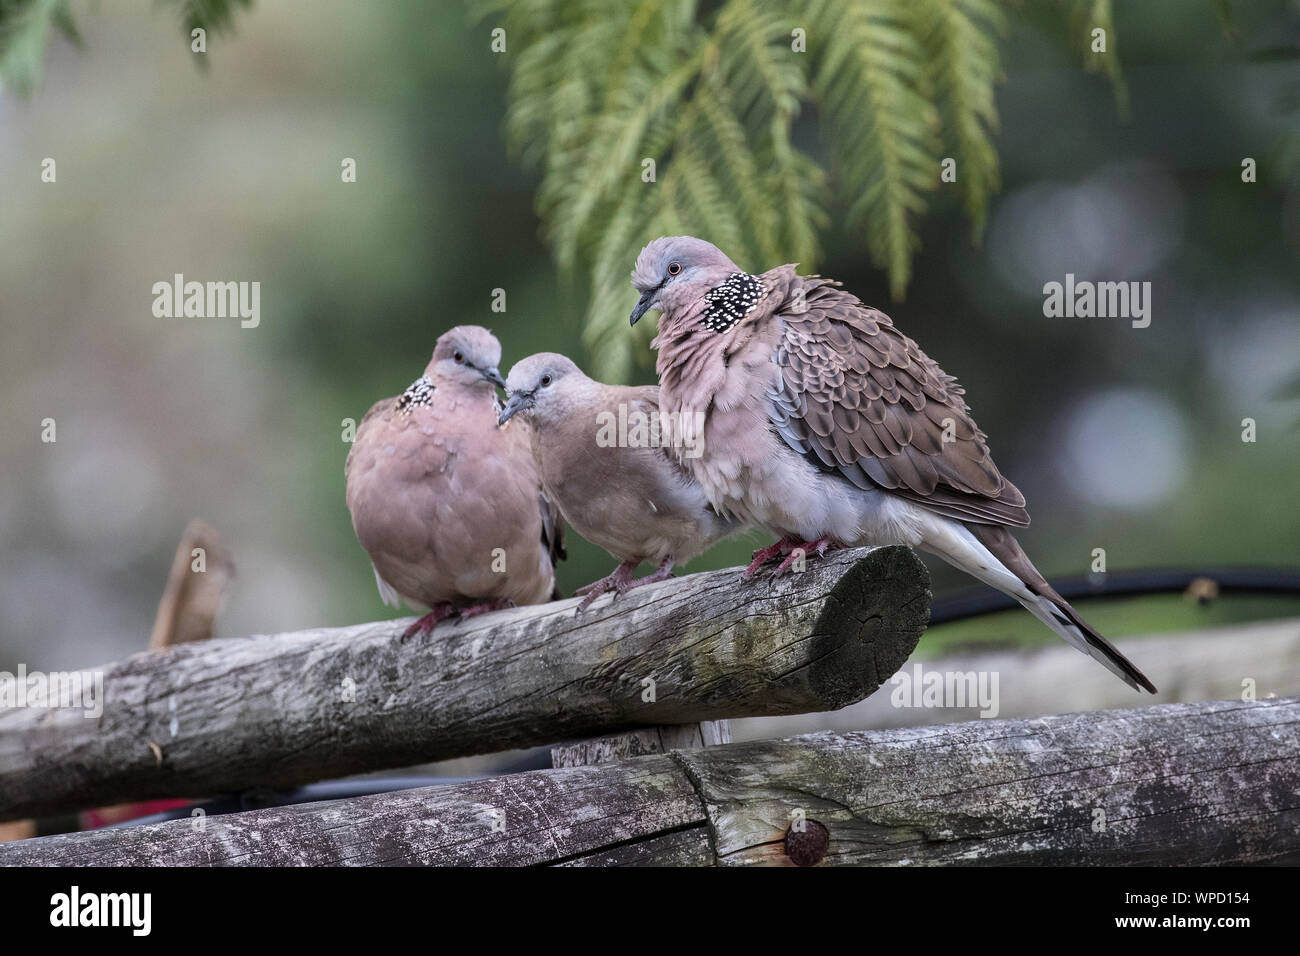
(427, 623)
(764, 555)
(804, 549)
(474, 610)
(619, 580)
(661, 573)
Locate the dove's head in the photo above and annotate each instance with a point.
(539, 387)
(674, 271)
(467, 355)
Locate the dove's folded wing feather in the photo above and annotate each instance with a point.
(857, 397)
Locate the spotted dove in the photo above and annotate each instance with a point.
(829, 427)
(448, 505)
(606, 460)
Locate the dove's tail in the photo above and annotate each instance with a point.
(971, 546)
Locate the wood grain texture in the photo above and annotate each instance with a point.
(191, 599)
(288, 709)
(546, 816)
(1208, 783)
(639, 743)
(1211, 663)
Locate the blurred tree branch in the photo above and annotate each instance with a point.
(26, 25)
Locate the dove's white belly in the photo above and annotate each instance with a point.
(749, 472)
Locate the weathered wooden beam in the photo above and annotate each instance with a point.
(1208, 783)
(497, 821)
(639, 743)
(288, 709)
(194, 592)
(1175, 784)
(1261, 658)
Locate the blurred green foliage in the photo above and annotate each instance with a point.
(26, 26)
(666, 117)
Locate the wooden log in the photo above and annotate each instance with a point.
(201, 572)
(689, 847)
(497, 821)
(1208, 783)
(17, 830)
(1213, 663)
(1173, 784)
(288, 709)
(639, 743)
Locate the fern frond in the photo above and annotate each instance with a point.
(767, 84)
(1085, 16)
(711, 93)
(886, 159)
(959, 37)
(612, 156)
(736, 168)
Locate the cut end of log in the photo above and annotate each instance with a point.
(883, 602)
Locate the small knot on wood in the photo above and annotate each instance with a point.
(807, 847)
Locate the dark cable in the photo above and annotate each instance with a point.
(973, 602)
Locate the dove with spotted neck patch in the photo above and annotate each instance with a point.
(829, 427)
(450, 507)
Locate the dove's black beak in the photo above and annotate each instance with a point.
(516, 403)
(642, 305)
(493, 375)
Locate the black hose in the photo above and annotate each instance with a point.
(973, 602)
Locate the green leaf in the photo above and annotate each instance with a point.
(1089, 15)
(24, 29)
(215, 16)
(959, 37)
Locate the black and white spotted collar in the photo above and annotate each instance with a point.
(730, 302)
(420, 392)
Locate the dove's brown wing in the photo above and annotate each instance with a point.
(552, 519)
(520, 444)
(552, 529)
(382, 409)
(857, 397)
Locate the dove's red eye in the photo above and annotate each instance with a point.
(459, 358)
(674, 268)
